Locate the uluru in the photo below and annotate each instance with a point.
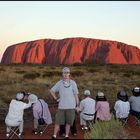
(70, 51)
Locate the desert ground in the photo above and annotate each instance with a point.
(38, 79)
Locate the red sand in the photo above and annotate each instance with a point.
(132, 129)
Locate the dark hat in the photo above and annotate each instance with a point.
(122, 93)
(136, 90)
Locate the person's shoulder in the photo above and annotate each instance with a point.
(73, 82)
(13, 100)
(92, 99)
(58, 82)
(131, 97)
(118, 101)
(42, 100)
(19, 103)
(83, 100)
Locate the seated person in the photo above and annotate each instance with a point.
(135, 102)
(122, 106)
(102, 107)
(87, 109)
(40, 110)
(15, 113)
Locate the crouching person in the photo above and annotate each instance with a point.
(87, 109)
(40, 110)
(15, 114)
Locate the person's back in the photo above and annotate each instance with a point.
(87, 109)
(38, 112)
(15, 113)
(135, 103)
(102, 107)
(103, 110)
(88, 105)
(122, 109)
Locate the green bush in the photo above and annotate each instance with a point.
(77, 73)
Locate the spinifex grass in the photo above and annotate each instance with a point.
(112, 129)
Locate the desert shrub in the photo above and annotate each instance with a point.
(127, 74)
(31, 75)
(52, 73)
(112, 129)
(6, 98)
(77, 73)
(20, 72)
(137, 72)
(92, 70)
(2, 69)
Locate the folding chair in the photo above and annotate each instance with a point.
(89, 123)
(13, 131)
(42, 128)
(136, 120)
(124, 121)
(136, 116)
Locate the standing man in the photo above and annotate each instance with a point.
(68, 102)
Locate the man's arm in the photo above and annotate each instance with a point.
(25, 106)
(77, 103)
(77, 100)
(54, 95)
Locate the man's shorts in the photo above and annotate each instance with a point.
(65, 116)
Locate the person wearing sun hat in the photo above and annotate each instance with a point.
(135, 102)
(15, 113)
(122, 106)
(87, 110)
(40, 110)
(102, 107)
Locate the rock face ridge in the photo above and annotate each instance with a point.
(70, 51)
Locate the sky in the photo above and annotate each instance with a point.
(22, 21)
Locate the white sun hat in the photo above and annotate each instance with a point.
(32, 98)
(19, 96)
(87, 92)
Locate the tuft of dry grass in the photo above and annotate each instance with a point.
(112, 129)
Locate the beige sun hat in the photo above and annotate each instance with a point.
(100, 94)
(66, 69)
(32, 98)
(87, 92)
